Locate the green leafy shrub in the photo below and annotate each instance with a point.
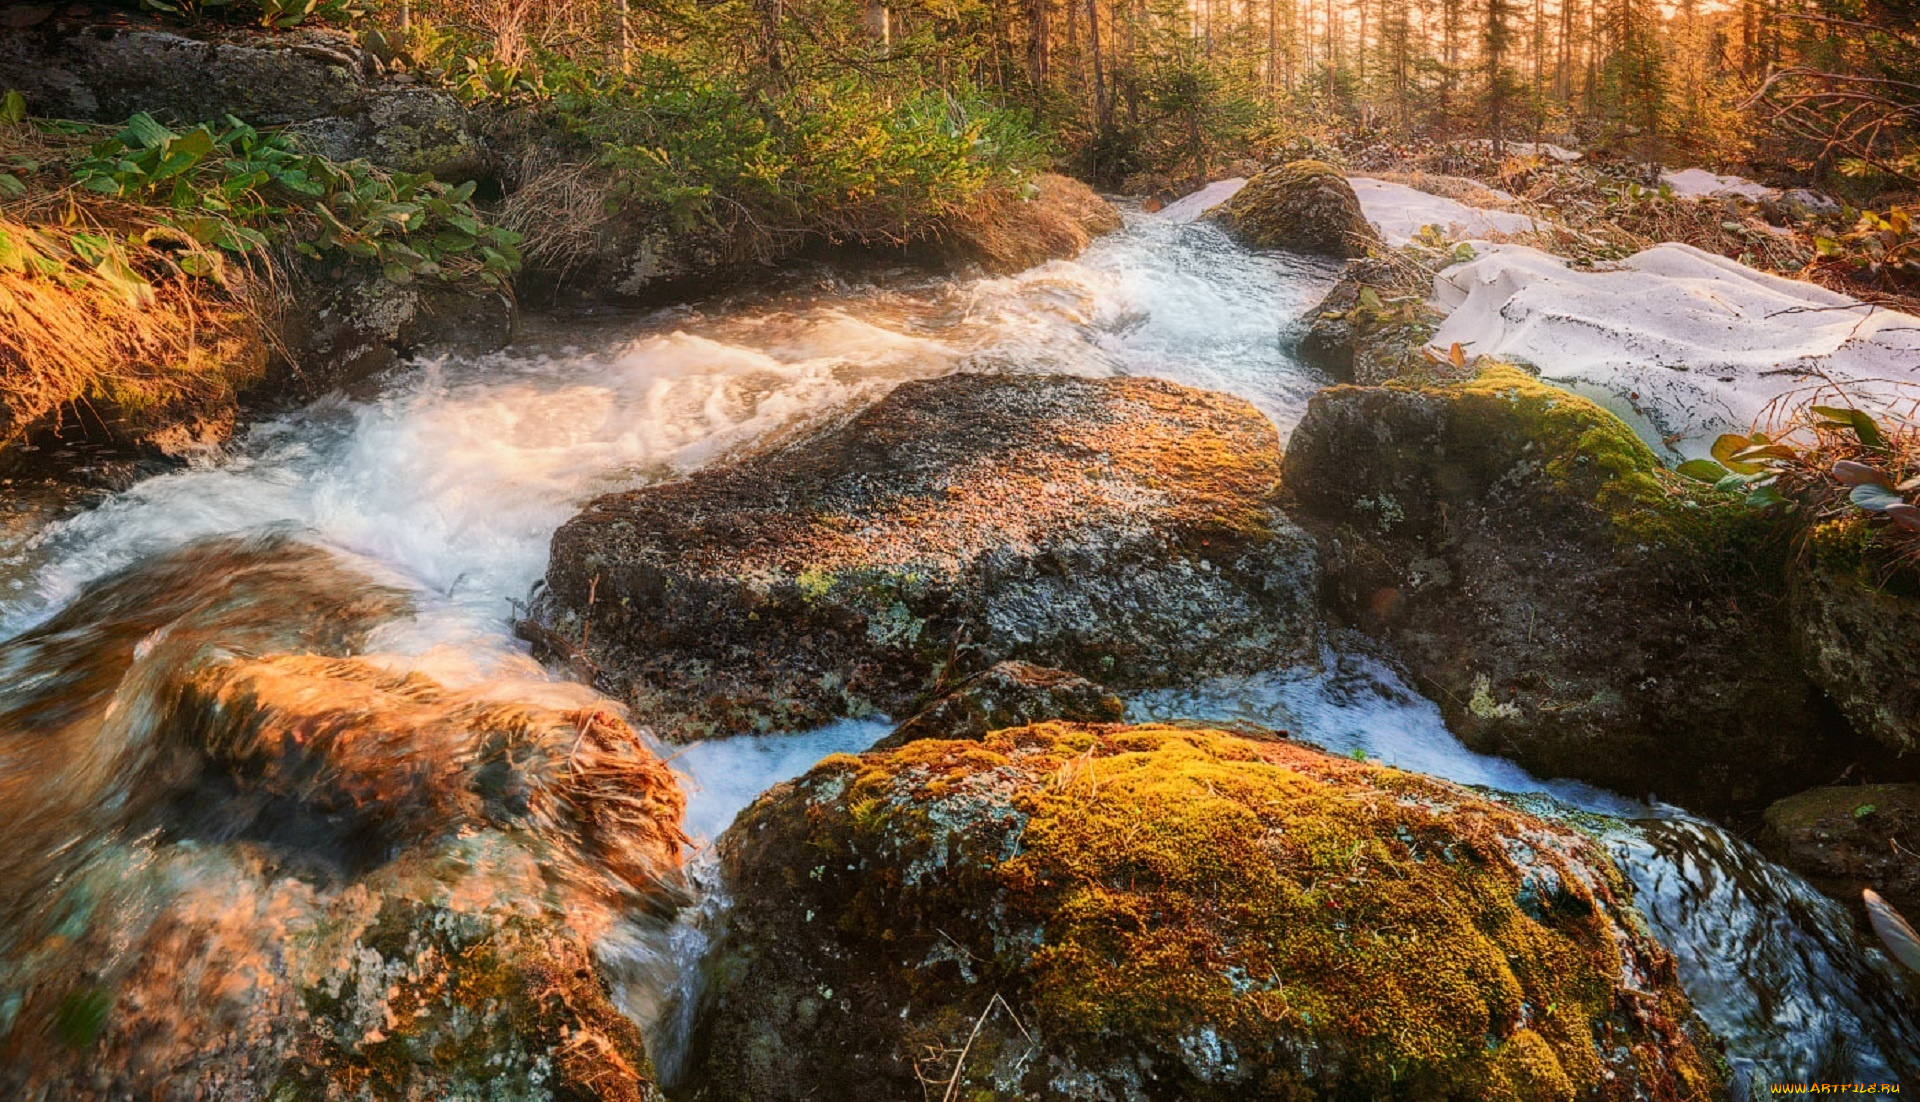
(235, 188)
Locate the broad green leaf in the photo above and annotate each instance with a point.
(1764, 497)
(1863, 426)
(1728, 447)
(143, 132)
(124, 281)
(1874, 498)
(1702, 470)
(13, 108)
(10, 186)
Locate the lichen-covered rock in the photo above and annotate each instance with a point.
(1847, 838)
(1859, 628)
(1121, 529)
(1565, 599)
(1011, 694)
(304, 875)
(1108, 912)
(1303, 205)
(74, 68)
(1361, 332)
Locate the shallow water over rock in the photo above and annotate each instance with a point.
(442, 490)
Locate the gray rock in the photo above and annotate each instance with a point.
(1119, 529)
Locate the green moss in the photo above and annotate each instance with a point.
(1586, 450)
(1161, 894)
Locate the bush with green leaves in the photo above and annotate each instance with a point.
(237, 189)
(828, 149)
(1843, 460)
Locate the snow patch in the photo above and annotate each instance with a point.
(1400, 212)
(1532, 149)
(1189, 208)
(1698, 183)
(1680, 342)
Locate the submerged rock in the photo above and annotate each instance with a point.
(1303, 205)
(1011, 694)
(303, 875)
(1565, 599)
(1064, 911)
(1844, 839)
(1120, 529)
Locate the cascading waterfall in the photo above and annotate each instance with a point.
(444, 489)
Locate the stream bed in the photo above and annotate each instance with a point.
(448, 484)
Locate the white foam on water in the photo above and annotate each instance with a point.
(723, 776)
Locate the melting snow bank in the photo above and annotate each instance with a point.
(1680, 342)
(1400, 213)
(1698, 183)
(1189, 208)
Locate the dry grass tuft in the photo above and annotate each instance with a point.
(560, 208)
(1006, 232)
(97, 308)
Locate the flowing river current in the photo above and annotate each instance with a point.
(448, 484)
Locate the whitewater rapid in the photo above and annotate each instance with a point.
(448, 484)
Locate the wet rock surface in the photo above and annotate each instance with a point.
(1859, 630)
(1356, 335)
(1567, 601)
(1119, 529)
(1011, 694)
(304, 875)
(1846, 838)
(1067, 911)
(1302, 205)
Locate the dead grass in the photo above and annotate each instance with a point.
(560, 208)
(98, 309)
(1006, 232)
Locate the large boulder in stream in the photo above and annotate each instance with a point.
(1155, 913)
(305, 875)
(1120, 529)
(1567, 600)
(1303, 205)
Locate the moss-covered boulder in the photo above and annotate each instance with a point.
(1120, 529)
(1011, 694)
(1846, 838)
(1566, 600)
(1099, 912)
(1858, 619)
(1302, 205)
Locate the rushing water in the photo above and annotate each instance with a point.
(446, 487)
